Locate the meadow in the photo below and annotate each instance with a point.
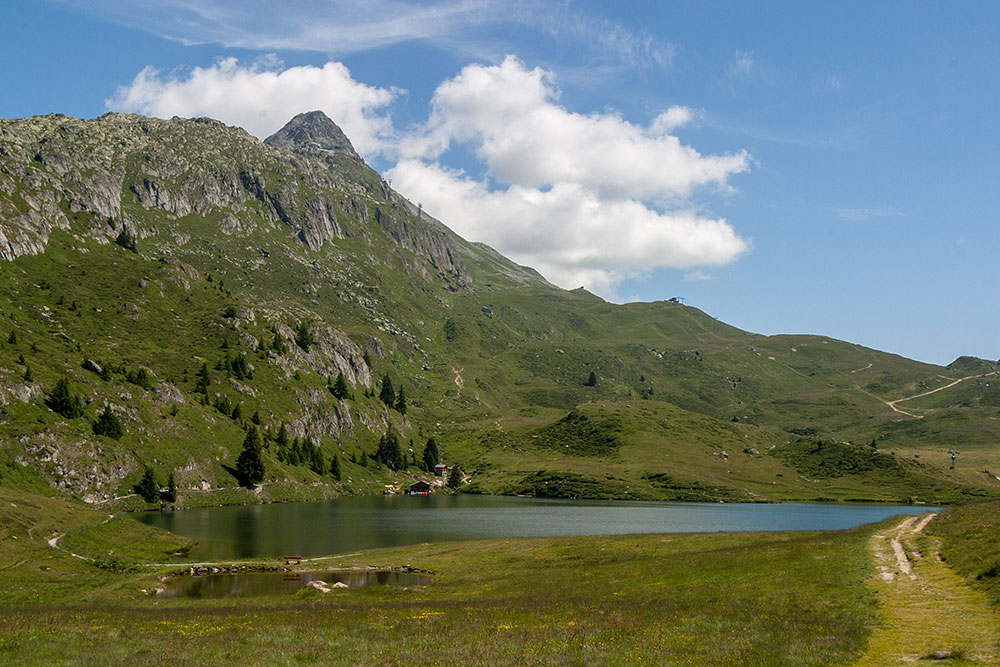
(738, 598)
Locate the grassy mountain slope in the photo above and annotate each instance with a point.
(133, 243)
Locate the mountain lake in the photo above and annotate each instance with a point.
(357, 523)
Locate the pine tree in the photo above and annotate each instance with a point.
(304, 337)
(12, 338)
(430, 455)
(388, 451)
(318, 462)
(401, 402)
(340, 388)
(62, 400)
(454, 478)
(278, 344)
(282, 438)
(147, 486)
(387, 395)
(249, 464)
(335, 467)
(204, 379)
(450, 329)
(27, 374)
(592, 380)
(171, 494)
(126, 240)
(255, 417)
(108, 424)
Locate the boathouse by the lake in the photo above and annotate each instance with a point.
(419, 488)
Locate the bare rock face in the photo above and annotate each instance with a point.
(88, 177)
(312, 130)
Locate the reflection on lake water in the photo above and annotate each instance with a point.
(367, 522)
(248, 584)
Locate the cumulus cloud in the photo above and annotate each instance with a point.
(261, 98)
(586, 199)
(571, 235)
(509, 114)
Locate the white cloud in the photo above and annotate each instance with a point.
(586, 199)
(509, 115)
(474, 28)
(571, 235)
(261, 99)
(697, 276)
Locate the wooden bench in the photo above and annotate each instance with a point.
(292, 559)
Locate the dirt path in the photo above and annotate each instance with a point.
(858, 370)
(927, 610)
(892, 404)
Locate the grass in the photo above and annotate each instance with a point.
(971, 536)
(708, 599)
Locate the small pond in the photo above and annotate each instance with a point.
(250, 584)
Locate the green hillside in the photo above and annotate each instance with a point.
(199, 281)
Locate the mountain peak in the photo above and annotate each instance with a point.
(312, 130)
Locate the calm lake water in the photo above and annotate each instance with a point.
(367, 522)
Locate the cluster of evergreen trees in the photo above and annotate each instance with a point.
(296, 452)
(149, 489)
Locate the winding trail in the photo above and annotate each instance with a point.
(892, 404)
(927, 611)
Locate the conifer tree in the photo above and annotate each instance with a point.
(249, 464)
(303, 337)
(430, 455)
(335, 467)
(340, 388)
(454, 478)
(61, 400)
(204, 379)
(317, 461)
(388, 451)
(108, 424)
(171, 494)
(147, 487)
(387, 395)
(592, 380)
(401, 401)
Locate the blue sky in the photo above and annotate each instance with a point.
(787, 167)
